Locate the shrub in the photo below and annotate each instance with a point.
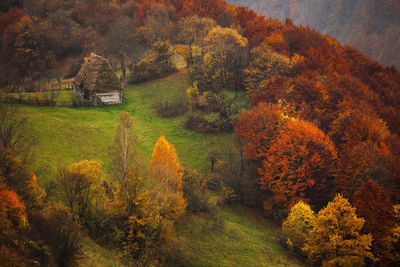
(194, 191)
(172, 109)
(157, 65)
(61, 232)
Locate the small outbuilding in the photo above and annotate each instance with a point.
(97, 82)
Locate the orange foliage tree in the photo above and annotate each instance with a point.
(12, 220)
(166, 170)
(257, 127)
(299, 165)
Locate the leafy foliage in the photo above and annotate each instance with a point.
(373, 204)
(157, 65)
(335, 239)
(297, 225)
(298, 164)
(165, 168)
(80, 184)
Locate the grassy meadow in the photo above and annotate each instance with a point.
(66, 135)
(229, 236)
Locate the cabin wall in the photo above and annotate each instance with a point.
(109, 98)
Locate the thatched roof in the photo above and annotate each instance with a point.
(97, 75)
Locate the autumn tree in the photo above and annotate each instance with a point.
(364, 155)
(160, 18)
(297, 225)
(119, 41)
(12, 211)
(13, 220)
(226, 55)
(193, 30)
(15, 176)
(394, 239)
(125, 160)
(30, 46)
(265, 65)
(132, 195)
(80, 184)
(13, 132)
(373, 204)
(335, 239)
(166, 170)
(299, 164)
(257, 127)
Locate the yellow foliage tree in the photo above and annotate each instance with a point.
(80, 183)
(167, 172)
(297, 225)
(394, 238)
(226, 55)
(266, 64)
(335, 239)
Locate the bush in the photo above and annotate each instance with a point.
(194, 191)
(172, 109)
(77, 101)
(61, 232)
(157, 65)
(213, 113)
(205, 123)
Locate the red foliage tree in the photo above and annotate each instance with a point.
(373, 203)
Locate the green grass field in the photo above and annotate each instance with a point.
(67, 135)
(234, 236)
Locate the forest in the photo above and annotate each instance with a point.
(373, 26)
(240, 139)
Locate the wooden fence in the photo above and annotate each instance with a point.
(44, 86)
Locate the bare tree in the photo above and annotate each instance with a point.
(14, 134)
(125, 159)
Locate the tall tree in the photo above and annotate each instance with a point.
(13, 131)
(193, 30)
(125, 164)
(119, 41)
(335, 239)
(166, 170)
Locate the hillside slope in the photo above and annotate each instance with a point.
(373, 26)
(229, 236)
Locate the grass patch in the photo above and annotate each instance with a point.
(67, 135)
(94, 255)
(234, 236)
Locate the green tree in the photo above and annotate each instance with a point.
(335, 238)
